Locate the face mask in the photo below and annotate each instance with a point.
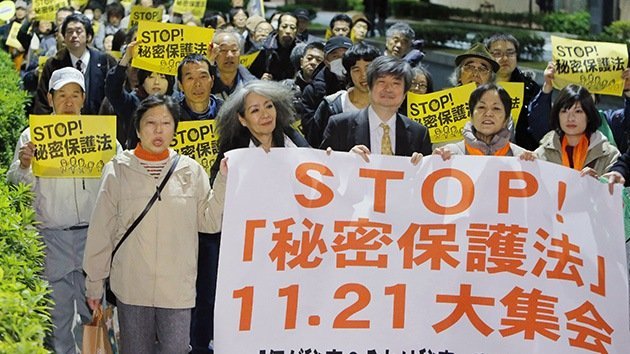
(337, 68)
(274, 24)
(90, 17)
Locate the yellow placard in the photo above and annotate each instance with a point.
(78, 4)
(47, 9)
(195, 7)
(72, 146)
(197, 139)
(12, 40)
(161, 46)
(595, 65)
(516, 91)
(444, 112)
(297, 125)
(96, 26)
(7, 10)
(41, 61)
(247, 60)
(142, 13)
(117, 54)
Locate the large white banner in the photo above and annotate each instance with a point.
(330, 254)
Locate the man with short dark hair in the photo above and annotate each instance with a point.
(274, 60)
(379, 128)
(195, 78)
(77, 33)
(340, 25)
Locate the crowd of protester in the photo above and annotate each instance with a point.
(347, 94)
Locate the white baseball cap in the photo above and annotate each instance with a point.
(64, 76)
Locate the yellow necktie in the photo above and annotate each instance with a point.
(386, 143)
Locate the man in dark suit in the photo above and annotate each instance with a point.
(379, 128)
(77, 32)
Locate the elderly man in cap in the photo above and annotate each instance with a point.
(304, 19)
(474, 65)
(328, 78)
(63, 207)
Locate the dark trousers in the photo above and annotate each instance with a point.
(202, 320)
(374, 9)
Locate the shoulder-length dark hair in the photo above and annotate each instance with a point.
(504, 96)
(231, 130)
(569, 96)
(144, 74)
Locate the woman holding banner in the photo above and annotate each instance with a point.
(144, 234)
(575, 140)
(258, 114)
(486, 133)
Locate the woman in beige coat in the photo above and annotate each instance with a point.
(154, 270)
(574, 141)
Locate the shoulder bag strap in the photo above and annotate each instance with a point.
(155, 196)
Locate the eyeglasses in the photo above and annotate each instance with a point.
(418, 85)
(482, 70)
(498, 54)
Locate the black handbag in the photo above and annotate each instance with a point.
(109, 295)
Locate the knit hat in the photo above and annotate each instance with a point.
(478, 50)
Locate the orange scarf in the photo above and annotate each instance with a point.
(474, 151)
(149, 156)
(579, 153)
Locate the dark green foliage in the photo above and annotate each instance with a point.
(462, 35)
(12, 103)
(577, 23)
(23, 294)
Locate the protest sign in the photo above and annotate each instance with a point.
(142, 13)
(78, 4)
(12, 40)
(7, 10)
(444, 112)
(330, 254)
(595, 65)
(194, 7)
(47, 9)
(162, 46)
(72, 146)
(197, 139)
(516, 91)
(247, 60)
